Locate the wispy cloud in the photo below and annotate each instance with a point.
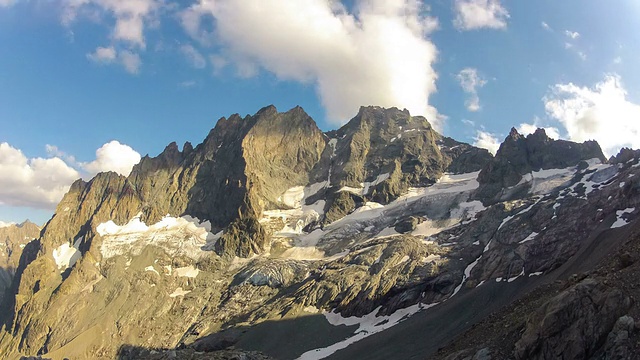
(572, 34)
(480, 14)
(129, 60)
(471, 81)
(193, 56)
(128, 22)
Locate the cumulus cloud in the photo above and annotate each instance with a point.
(113, 156)
(378, 54)
(480, 14)
(486, 140)
(42, 182)
(526, 129)
(193, 56)
(602, 112)
(37, 182)
(470, 81)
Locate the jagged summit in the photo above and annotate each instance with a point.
(270, 225)
(519, 155)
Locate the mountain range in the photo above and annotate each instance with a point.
(380, 240)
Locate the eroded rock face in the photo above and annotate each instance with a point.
(574, 324)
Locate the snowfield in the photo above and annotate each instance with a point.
(177, 236)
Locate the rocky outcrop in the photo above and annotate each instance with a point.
(574, 324)
(461, 157)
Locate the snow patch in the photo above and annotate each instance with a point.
(620, 222)
(179, 292)
(66, 255)
(151, 269)
(517, 276)
(529, 238)
(465, 275)
(188, 271)
(367, 325)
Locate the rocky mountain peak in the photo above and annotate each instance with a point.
(519, 155)
(513, 134)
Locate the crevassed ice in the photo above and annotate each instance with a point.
(177, 236)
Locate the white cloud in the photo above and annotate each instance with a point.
(572, 34)
(378, 55)
(546, 26)
(104, 55)
(41, 183)
(601, 112)
(188, 84)
(218, 63)
(54, 151)
(129, 60)
(131, 16)
(193, 56)
(113, 156)
(486, 140)
(617, 60)
(479, 14)
(2, 223)
(130, 20)
(37, 182)
(526, 129)
(470, 81)
(7, 3)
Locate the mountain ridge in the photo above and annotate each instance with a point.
(265, 221)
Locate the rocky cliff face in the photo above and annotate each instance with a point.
(13, 239)
(272, 232)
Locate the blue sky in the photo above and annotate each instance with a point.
(90, 85)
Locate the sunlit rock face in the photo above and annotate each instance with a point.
(13, 240)
(271, 229)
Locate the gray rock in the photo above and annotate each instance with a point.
(573, 323)
(619, 345)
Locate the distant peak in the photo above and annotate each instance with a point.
(270, 109)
